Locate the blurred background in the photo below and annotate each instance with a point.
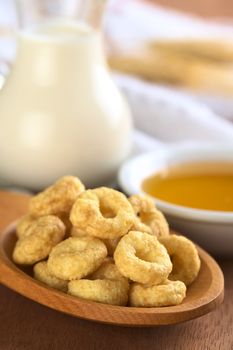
(172, 59)
(207, 8)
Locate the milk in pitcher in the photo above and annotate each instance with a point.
(60, 110)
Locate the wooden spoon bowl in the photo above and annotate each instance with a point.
(203, 295)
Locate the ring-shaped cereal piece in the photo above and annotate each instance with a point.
(141, 258)
(58, 198)
(106, 285)
(167, 294)
(42, 274)
(104, 291)
(23, 224)
(39, 239)
(184, 257)
(111, 244)
(76, 258)
(103, 212)
(149, 218)
(108, 270)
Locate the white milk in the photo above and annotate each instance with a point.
(60, 112)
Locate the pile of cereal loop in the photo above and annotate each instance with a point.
(101, 246)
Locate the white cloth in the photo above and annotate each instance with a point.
(170, 116)
(129, 22)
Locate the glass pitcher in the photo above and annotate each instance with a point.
(60, 111)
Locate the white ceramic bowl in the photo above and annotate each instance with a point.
(213, 230)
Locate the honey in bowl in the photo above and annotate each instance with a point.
(207, 186)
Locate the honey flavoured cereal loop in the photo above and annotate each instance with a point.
(103, 291)
(40, 237)
(106, 285)
(111, 244)
(166, 294)
(149, 218)
(27, 220)
(103, 212)
(56, 199)
(42, 274)
(141, 258)
(24, 224)
(108, 270)
(184, 257)
(76, 258)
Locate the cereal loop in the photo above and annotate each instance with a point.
(167, 294)
(184, 257)
(102, 291)
(140, 257)
(42, 274)
(23, 225)
(106, 285)
(56, 199)
(40, 237)
(76, 258)
(108, 270)
(103, 213)
(149, 219)
(111, 244)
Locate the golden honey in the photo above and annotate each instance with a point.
(206, 186)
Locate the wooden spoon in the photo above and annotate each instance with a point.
(203, 295)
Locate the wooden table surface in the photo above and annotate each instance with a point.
(204, 8)
(25, 324)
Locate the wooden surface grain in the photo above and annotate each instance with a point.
(204, 8)
(25, 324)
